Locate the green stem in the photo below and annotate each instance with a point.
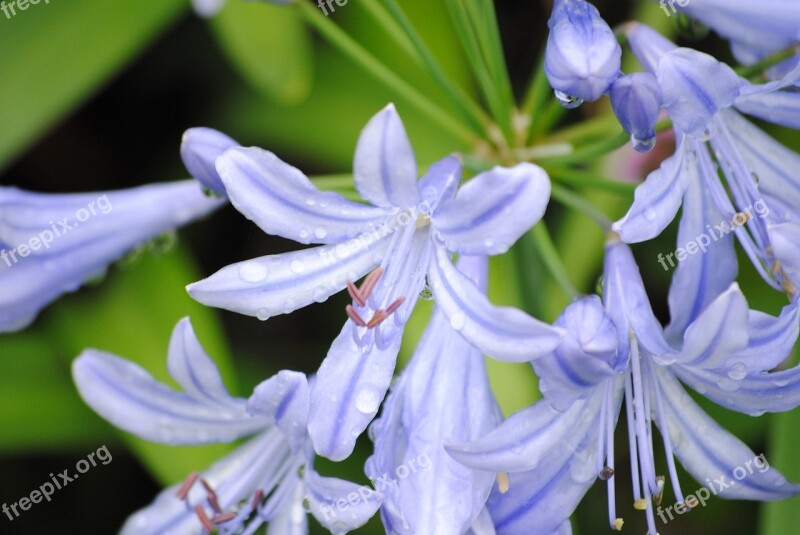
(392, 29)
(339, 38)
(470, 110)
(771, 61)
(541, 239)
(588, 179)
(535, 97)
(576, 202)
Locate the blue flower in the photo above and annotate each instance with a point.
(701, 95)
(269, 479)
(200, 149)
(403, 238)
(51, 244)
(583, 57)
(755, 29)
(556, 449)
(443, 396)
(636, 100)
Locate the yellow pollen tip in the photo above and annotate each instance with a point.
(502, 482)
(618, 524)
(640, 504)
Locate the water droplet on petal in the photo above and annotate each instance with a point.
(650, 214)
(368, 400)
(320, 233)
(263, 314)
(458, 321)
(426, 294)
(320, 295)
(567, 101)
(252, 272)
(738, 371)
(644, 144)
(297, 266)
(780, 383)
(303, 234)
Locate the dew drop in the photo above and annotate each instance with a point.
(643, 144)
(426, 294)
(310, 201)
(567, 101)
(367, 400)
(320, 233)
(728, 385)
(320, 295)
(297, 266)
(738, 371)
(650, 214)
(252, 272)
(780, 383)
(458, 321)
(263, 314)
(303, 234)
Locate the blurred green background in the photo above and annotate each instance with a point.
(95, 95)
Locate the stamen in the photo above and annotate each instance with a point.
(183, 491)
(640, 504)
(394, 306)
(606, 473)
(370, 281)
(618, 524)
(221, 519)
(355, 294)
(212, 496)
(354, 316)
(201, 514)
(257, 497)
(377, 319)
(659, 495)
(502, 482)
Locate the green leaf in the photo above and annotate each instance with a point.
(269, 46)
(132, 315)
(56, 55)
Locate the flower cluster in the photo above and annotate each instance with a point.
(413, 237)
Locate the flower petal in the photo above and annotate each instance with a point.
(282, 201)
(440, 183)
(709, 452)
(340, 506)
(384, 165)
(282, 283)
(200, 149)
(284, 399)
(348, 392)
(504, 333)
(657, 199)
(493, 210)
(130, 398)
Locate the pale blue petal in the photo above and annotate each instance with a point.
(702, 276)
(636, 100)
(504, 333)
(439, 184)
(292, 519)
(384, 165)
(284, 399)
(102, 227)
(493, 210)
(483, 525)
(785, 239)
(694, 87)
(707, 451)
(781, 107)
(349, 389)
(130, 398)
(282, 283)
(647, 45)
(200, 148)
(282, 201)
(657, 199)
(339, 505)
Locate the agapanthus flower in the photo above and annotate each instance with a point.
(442, 397)
(208, 8)
(615, 350)
(269, 479)
(200, 148)
(701, 96)
(405, 236)
(583, 57)
(51, 244)
(636, 100)
(755, 29)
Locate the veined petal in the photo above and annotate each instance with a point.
(282, 201)
(720, 330)
(657, 199)
(292, 518)
(200, 148)
(440, 183)
(483, 525)
(527, 437)
(779, 107)
(384, 165)
(326, 496)
(700, 278)
(282, 283)
(504, 333)
(708, 452)
(785, 239)
(493, 210)
(647, 45)
(348, 392)
(130, 398)
(284, 399)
